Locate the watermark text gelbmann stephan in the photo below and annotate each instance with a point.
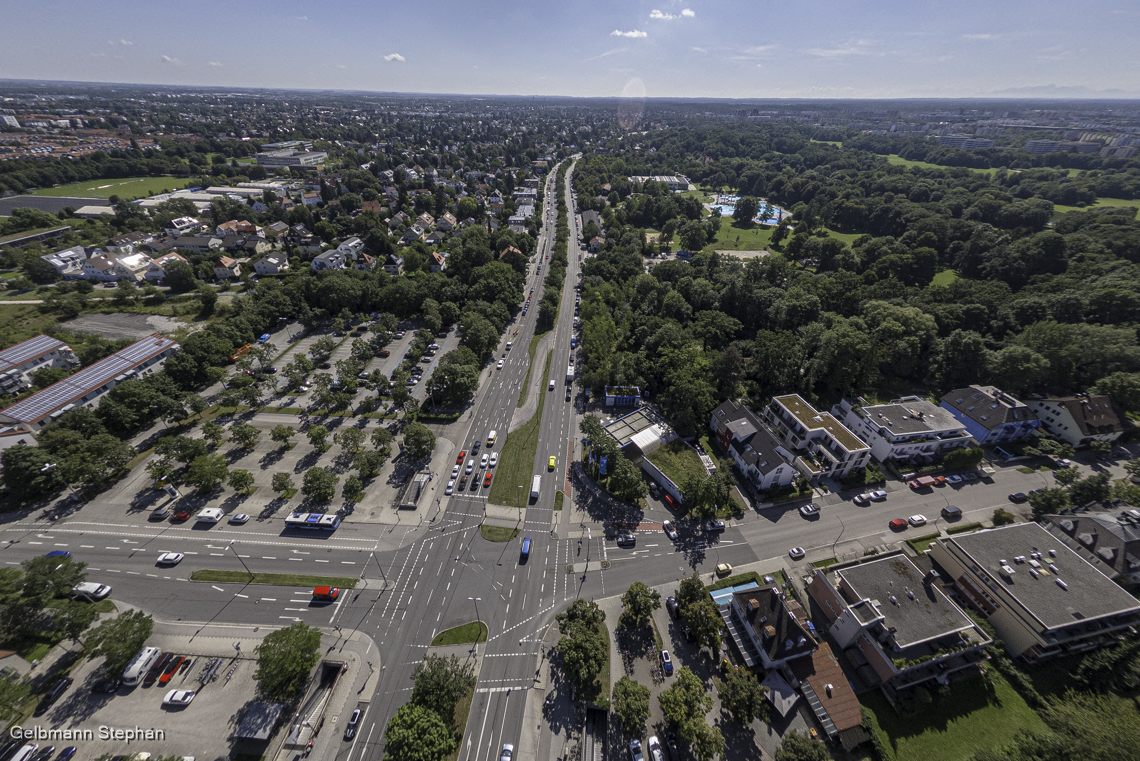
(126, 735)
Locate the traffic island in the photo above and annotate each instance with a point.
(273, 579)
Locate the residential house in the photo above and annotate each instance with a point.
(991, 415)
(199, 244)
(496, 202)
(1107, 537)
(446, 223)
(517, 223)
(156, 271)
(272, 264)
(771, 629)
(124, 244)
(182, 226)
(434, 238)
(438, 261)
(412, 234)
(1042, 598)
(1080, 419)
(132, 267)
(67, 263)
(510, 249)
(275, 230)
(310, 199)
(394, 265)
(237, 227)
(908, 431)
(758, 454)
(100, 268)
(398, 220)
(334, 259)
(227, 268)
(365, 262)
(596, 244)
(376, 207)
(425, 221)
(828, 448)
(352, 247)
(896, 624)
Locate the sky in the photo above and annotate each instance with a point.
(662, 48)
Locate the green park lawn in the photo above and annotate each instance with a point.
(1100, 202)
(953, 728)
(898, 160)
(461, 635)
(677, 460)
(945, 277)
(125, 187)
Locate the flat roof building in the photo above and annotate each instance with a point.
(86, 386)
(1042, 598)
(18, 362)
(829, 448)
(908, 430)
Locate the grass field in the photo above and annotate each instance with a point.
(516, 461)
(945, 277)
(19, 322)
(678, 460)
(459, 721)
(1100, 202)
(274, 579)
(732, 238)
(497, 533)
(897, 160)
(124, 187)
(953, 728)
(530, 365)
(461, 635)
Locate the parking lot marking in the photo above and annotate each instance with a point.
(242, 596)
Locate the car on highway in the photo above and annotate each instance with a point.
(350, 728)
(470, 466)
(459, 459)
(714, 524)
(878, 495)
(666, 663)
(178, 698)
(476, 446)
(487, 479)
(58, 554)
(862, 499)
(500, 365)
(170, 558)
(508, 752)
(524, 552)
(723, 569)
(326, 593)
(1018, 497)
(635, 753)
(450, 487)
(484, 460)
(569, 393)
(796, 553)
(552, 462)
(626, 540)
(89, 590)
(551, 386)
(917, 520)
(810, 510)
(669, 529)
(494, 459)
(898, 524)
(239, 518)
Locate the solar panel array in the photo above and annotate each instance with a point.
(14, 356)
(66, 391)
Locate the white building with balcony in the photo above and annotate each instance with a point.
(908, 430)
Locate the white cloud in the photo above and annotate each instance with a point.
(605, 54)
(302, 18)
(171, 61)
(341, 66)
(699, 50)
(630, 33)
(979, 36)
(216, 63)
(856, 47)
(688, 13)
(394, 57)
(656, 14)
(126, 42)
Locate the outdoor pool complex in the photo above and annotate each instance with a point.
(727, 205)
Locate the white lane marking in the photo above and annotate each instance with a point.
(217, 588)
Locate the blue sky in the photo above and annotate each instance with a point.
(685, 48)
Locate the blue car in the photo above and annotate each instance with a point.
(58, 554)
(525, 548)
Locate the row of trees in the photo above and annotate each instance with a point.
(426, 728)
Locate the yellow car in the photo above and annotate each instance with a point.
(553, 462)
(723, 570)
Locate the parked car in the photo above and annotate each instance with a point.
(635, 753)
(714, 524)
(809, 511)
(666, 663)
(671, 606)
(1018, 497)
(862, 499)
(239, 518)
(917, 520)
(178, 698)
(796, 553)
(898, 524)
(951, 512)
(723, 569)
(879, 495)
(160, 514)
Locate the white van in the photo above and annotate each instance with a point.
(24, 753)
(210, 515)
(140, 665)
(535, 485)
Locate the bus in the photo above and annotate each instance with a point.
(314, 521)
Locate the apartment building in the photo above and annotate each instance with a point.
(1107, 537)
(991, 415)
(823, 446)
(17, 363)
(760, 456)
(910, 430)
(1080, 419)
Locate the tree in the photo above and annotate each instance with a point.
(704, 619)
(207, 471)
(285, 658)
(745, 211)
(1048, 501)
(368, 464)
(626, 481)
(631, 703)
(441, 682)
(13, 692)
(453, 384)
(419, 441)
(415, 733)
(962, 459)
(46, 578)
(699, 496)
(213, 433)
(351, 440)
(709, 743)
(282, 482)
(583, 646)
(240, 481)
(799, 746)
(685, 704)
(638, 603)
(46, 376)
(119, 639)
(1124, 388)
(282, 434)
(180, 277)
(319, 484)
(181, 448)
(244, 435)
(351, 487)
(1094, 488)
(1003, 517)
(31, 472)
(1101, 449)
(743, 696)
(692, 236)
(318, 435)
(74, 619)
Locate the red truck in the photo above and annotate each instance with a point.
(923, 482)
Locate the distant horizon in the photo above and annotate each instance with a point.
(1007, 95)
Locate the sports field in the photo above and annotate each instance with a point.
(125, 187)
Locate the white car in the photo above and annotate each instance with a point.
(670, 531)
(170, 558)
(862, 499)
(470, 466)
(239, 518)
(484, 460)
(508, 752)
(655, 749)
(450, 487)
(796, 553)
(455, 472)
(500, 365)
(494, 459)
(178, 698)
(917, 520)
(879, 495)
(954, 479)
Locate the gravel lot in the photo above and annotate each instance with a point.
(126, 325)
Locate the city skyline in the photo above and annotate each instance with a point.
(663, 48)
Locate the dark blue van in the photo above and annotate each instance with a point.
(525, 548)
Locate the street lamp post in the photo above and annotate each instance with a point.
(520, 504)
(478, 620)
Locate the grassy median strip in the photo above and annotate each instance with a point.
(273, 579)
(529, 365)
(498, 533)
(462, 635)
(516, 461)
